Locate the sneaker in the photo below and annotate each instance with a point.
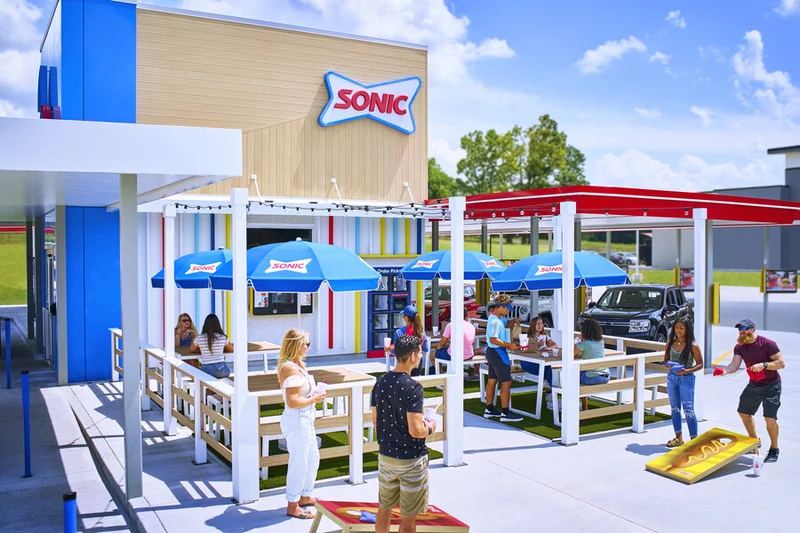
(772, 455)
(510, 417)
(491, 412)
(472, 377)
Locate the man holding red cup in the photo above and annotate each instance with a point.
(763, 359)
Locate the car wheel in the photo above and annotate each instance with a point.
(548, 321)
(661, 336)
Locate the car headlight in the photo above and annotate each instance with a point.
(639, 326)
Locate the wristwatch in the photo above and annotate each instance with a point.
(766, 365)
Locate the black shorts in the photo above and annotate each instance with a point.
(497, 368)
(754, 395)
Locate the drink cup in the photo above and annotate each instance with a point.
(321, 388)
(523, 341)
(555, 352)
(758, 465)
(387, 341)
(435, 331)
(429, 414)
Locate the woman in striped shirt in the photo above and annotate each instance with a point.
(212, 343)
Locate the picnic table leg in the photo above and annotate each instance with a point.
(316, 522)
(540, 391)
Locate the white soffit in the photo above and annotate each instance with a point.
(44, 163)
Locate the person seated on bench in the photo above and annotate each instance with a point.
(591, 347)
(443, 349)
(543, 341)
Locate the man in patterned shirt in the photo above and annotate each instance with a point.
(396, 401)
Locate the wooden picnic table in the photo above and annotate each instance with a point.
(334, 375)
(263, 348)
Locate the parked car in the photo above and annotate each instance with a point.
(639, 311)
(521, 302)
(470, 302)
(623, 258)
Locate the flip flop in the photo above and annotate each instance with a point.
(304, 514)
(312, 502)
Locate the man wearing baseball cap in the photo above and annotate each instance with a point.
(763, 359)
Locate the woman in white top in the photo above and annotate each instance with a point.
(297, 422)
(212, 344)
(543, 342)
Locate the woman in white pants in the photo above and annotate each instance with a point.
(297, 422)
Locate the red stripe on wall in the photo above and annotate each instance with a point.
(163, 296)
(330, 292)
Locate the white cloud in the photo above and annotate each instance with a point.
(20, 70)
(7, 109)
(446, 156)
(593, 61)
(648, 113)
(703, 113)
(711, 52)
(18, 20)
(428, 22)
(660, 57)
(788, 8)
(675, 18)
(634, 168)
(772, 92)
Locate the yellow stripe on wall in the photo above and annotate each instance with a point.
(357, 327)
(227, 293)
(383, 235)
(420, 301)
(408, 235)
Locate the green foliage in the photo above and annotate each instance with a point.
(440, 185)
(13, 287)
(549, 160)
(491, 162)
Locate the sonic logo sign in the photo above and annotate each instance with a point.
(491, 264)
(425, 264)
(208, 269)
(555, 269)
(388, 103)
(299, 266)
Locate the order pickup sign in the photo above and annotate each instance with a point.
(388, 103)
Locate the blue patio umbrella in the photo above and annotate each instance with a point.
(437, 265)
(301, 266)
(543, 271)
(193, 270)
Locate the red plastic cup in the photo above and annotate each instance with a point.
(718, 371)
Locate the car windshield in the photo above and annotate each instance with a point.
(631, 299)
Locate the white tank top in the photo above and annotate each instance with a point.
(305, 381)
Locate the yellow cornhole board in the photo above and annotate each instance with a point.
(702, 456)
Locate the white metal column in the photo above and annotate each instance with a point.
(702, 275)
(129, 292)
(454, 445)
(245, 406)
(170, 424)
(569, 371)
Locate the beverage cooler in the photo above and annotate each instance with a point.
(386, 308)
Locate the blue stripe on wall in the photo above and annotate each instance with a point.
(197, 294)
(72, 59)
(76, 316)
(420, 235)
(395, 236)
(213, 247)
(358, 236)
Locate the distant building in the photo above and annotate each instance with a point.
(784, 241)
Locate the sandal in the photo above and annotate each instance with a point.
(674, 443)
(307, 500)
(304, 514)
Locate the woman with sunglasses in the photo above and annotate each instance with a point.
(413, 327)
(683, 356)
(185, 331)
(300, 396)
(212, 344)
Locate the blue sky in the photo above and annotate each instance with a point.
(671, 94)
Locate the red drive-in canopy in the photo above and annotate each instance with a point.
(595, 200)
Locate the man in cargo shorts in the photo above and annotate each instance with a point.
(396, 401)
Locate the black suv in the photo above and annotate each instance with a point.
(639, 311)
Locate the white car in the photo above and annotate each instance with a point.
(521, 302)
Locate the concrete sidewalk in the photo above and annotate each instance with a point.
(61, 460)
(513, 481)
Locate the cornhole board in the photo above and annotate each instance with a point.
(702, 455)
(347, 515)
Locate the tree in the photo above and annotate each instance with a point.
(491, 161)
(548, 160)
(440, 185)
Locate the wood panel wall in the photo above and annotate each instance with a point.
(269, 82)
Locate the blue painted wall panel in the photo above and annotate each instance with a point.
(109, 61)
(102, 288)
(76, 323)
(72, 59)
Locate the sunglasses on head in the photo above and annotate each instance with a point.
(743, 328)
(308, 344)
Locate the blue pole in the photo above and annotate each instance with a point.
(8, 353)
(70, 513)
(26, 420)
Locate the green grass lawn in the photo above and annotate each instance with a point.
(13, 288)
(737, 279)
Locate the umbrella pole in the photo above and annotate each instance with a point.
(298, 310)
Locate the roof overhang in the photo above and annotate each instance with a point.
(629, 202)
(44, 163)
